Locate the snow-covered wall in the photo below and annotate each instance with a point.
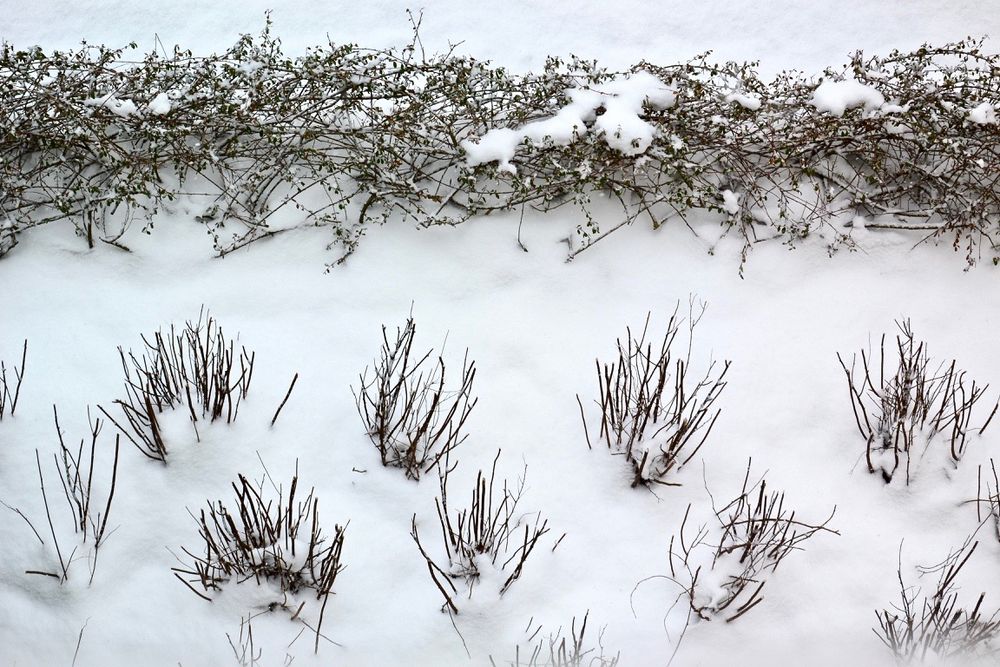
(802, 34)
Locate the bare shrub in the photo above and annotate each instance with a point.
(722, 568)
(654, 412)
(937, 626)
(196, 367)
(489, 532)
(245, 652)
(409, 412)
(280, 543)
(89, 514)
(10, 389)
(561, 650)
(905, 402)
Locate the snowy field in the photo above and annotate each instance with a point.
(534, 324)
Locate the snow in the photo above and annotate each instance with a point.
(159, 105)
(119, 107)
(496, 146)
(562, 129)
(749, 102)
(620, 124)
(613, 108)
(521, 33)
(535, 324)
(835, 97)
(984, 114)
(859, 227)
(730, 202)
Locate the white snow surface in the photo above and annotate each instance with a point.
(800, 34)
(534, 324)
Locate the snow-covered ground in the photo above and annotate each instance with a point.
(534, 324)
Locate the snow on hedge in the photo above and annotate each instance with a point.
(984, 114)
(836, 97)
(159, 105)
(613, 109)
(123, 108)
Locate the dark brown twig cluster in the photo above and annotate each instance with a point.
(653, 412)
(76, 476)
(937, 626)
(902, 402)
(560, 650)
(196, 367)
(9, 395)
(279, 543)
(489, 532)
(411, 415)
(723, 568)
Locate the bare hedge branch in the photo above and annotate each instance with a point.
(345, 136)
(279, 543)
(489, 532)
(9, 396)
(561, 650)
(89, 514)
(988, 499)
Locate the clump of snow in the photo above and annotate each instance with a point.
(894, 108)
(884, 460)
(730, 202)
(613, 109)
(159, 105)
(495, 146)
(642, 87)
(836, 97)
(984, 114)
(119, 107)
(566, 125)
(624, 131)
(747, 101)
